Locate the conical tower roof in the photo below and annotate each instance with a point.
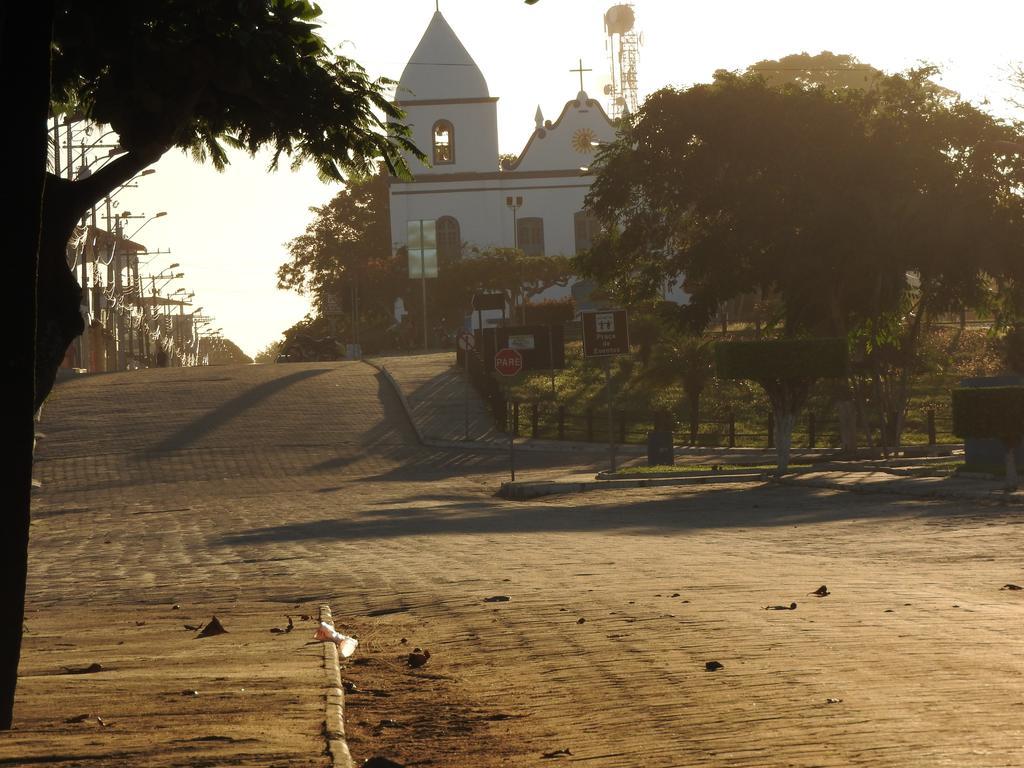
(441, 68)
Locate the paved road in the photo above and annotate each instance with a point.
(283, 485)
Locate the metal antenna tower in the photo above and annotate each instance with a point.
(623, 51)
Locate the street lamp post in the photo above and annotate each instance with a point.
(514, 202)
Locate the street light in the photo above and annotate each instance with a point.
(154, 216)
(515, 203)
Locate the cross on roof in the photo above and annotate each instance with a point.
(581, 70)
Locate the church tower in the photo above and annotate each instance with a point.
(453, 117)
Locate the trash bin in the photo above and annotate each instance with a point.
(989, 452)
(659, 448)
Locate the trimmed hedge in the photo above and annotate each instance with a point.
(781, 359)
(989, 412)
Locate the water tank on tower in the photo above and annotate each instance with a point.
(623, 51)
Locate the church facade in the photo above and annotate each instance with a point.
(475, 197)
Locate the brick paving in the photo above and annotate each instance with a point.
(251, 490)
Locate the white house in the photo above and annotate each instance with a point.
(534, 202)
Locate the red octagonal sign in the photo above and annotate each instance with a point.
(508, 362)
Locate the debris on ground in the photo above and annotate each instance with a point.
(713, 666)
(286, 630)
(78, 718)
(830, 700)
(581, 620)
(213, 627)
(1013, 587)
(349, 687)
(418, 657)
(326, 633)
(381, 762)
(103, 722)
(821, 591)
(498, 599)
(193, 627)
(566, 752)
(175, 607)
(790, 607)
(190, 692)
(94, 667)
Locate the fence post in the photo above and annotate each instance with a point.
(931, 427)
(515, 417)
(561, 422)
(812, 436)
(732, 429)
(590, 424)
(771, 429)
(533, 419)
(622, 427)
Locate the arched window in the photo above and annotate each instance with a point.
(449, 238)
(530, 235)
(444, 143)
(586, 227)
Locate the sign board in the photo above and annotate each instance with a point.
(331, 304)
(605, 333)
(542, 346)
(521, 341)
(466, 340)
(508, 362)
(421, 240)
(486, 301)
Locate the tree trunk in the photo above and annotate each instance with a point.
(847, 414)
(784, 422)
(1011, 466)
(694, 401)
(25, 78)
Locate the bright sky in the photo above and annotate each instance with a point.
(228, 230)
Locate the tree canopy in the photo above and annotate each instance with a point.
(249, 75)
(828, 198)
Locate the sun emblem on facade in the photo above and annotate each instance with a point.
(582, 140)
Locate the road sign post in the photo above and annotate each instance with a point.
(509, 362)
(606, 334)
(466, 344)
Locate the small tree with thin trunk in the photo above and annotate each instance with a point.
(992, 412)
(786, 369)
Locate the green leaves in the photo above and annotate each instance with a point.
(821, 193)
(253, 74)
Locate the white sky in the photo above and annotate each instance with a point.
(228, 230)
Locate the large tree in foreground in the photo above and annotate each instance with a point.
(202, 77)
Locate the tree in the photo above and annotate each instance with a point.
(826, 70)
(787, 369)
(686, 359)
(221, 351)
(345, 256)
(508, 270)
(252, 76)
(830, 204)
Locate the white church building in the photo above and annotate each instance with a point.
(534, 202)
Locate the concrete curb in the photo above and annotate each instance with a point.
(522, 490)
(334, 695)
(903, 488)
(401, 398)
